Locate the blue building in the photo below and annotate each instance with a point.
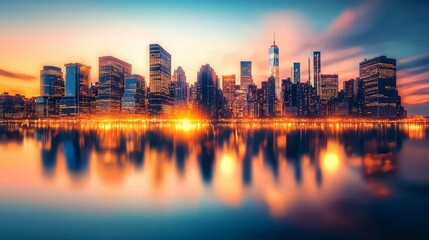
(133, 100)
(76, 99)
(274, 67)
(314, 70)
(208, 93)
(296, 72)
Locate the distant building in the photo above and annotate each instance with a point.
(160, 100)
(289, 97)
(348, 88)
(133, 100)
(16, 107)
(112, 73)
(252, 101)
(240, 102)
(246, 74)
(228, 89)
(328, 87)
(181, 87)
(379, 80)
(76, 99)
(314, 70)
(51, 91)
(208, 96)
(274, 66)
(271, 97)
(296, 72)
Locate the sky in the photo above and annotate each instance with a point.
(221, 33)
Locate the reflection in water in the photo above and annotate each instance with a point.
(288, 168)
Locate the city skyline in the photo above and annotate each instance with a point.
(30, 44)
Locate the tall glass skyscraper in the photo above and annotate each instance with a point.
(181, 87)
(274, 67)
(160, 100)
(228, 88)
(207, 90)
(296, 72)
(51, 81)
(246, 74)
(133, 100)
(112, 73)
(77, 94)
(379, 82)
(51, 91)
(271, 97)
(314, 70)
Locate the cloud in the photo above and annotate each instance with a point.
(21, 76)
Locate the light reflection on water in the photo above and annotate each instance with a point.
(317, 178)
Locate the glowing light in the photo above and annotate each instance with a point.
(331, 162)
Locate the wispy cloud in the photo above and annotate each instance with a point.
(21, 76)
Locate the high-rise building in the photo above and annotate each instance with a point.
(76, 99)
(314, 70)
(328, 87)
(245, 74)
(112, 73)
(289, 98)
(208, 91)
(160, 101)
(240, 102)
(296, 72)
(51, 91)
(274, 67)
(252, 101)
(228, 89)
(271, 97)
(181, 87)
(133, 100)
(348, 87)
(379, 79)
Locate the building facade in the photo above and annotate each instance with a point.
(160, 100)
(246, 78)
(314, 70)
(76, 98)
(51, 91)
(112, 73)
(133, 101)
(296, 72)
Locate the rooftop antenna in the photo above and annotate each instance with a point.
(274, 38)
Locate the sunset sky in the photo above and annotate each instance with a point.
(221, 33)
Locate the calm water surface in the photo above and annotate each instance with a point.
(203, 181)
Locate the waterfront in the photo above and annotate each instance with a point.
(189, 179)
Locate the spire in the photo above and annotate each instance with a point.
(274, 38)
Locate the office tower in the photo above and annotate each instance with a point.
(314, 70)
(296, 72)
(379, 79)
(76, 98)
(133, 100)
(207, 91)
(112, 73)
(252, 101)
(274, 66)
(51, 91)
(328, 87)
(348, 88)
(180, 86)
(245, 74)
(271, 97)
(240, 102)
(160, 101)
(228, 89)
(261, 104)
(289, 98)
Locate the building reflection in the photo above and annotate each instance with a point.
(228, 158)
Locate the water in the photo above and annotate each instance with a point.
(203, 181)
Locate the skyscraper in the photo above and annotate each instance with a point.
(348, 87)
(207, 91)
(181, 89)
(228, 88)
(133, 100)
(314, 69)
(160, 101)
(379, 81)
(271, 97)
(76, 99)
(296, 72)
(245, 74)
(328, 87)
(274, 66)
(112, 72)
(51, 91)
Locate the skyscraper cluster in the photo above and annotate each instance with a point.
(120, 91)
